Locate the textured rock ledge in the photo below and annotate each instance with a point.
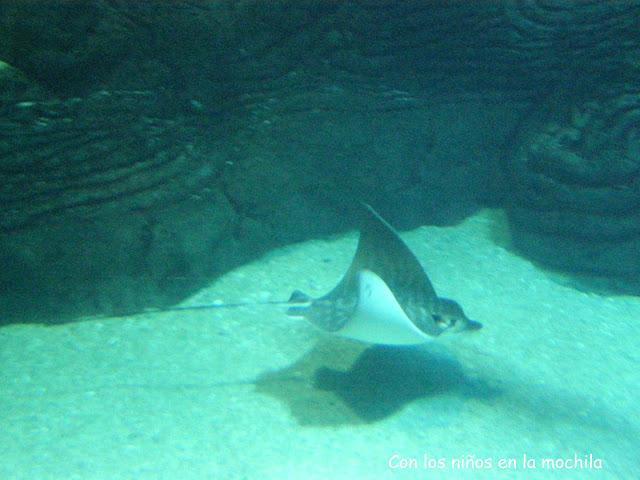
(172, 141)
(576, 176)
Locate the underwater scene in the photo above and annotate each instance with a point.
(316, 239)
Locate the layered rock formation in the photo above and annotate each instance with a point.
(171, 141)
(575, 202)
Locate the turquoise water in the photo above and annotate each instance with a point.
(249, 393)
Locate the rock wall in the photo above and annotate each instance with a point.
(575, 203)
(574, 159)
(160, 144)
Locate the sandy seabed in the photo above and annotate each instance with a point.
(550, 384)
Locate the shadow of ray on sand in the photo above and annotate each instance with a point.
(346, 383)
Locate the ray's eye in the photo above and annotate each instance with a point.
(443, 322)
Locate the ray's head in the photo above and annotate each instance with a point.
(450, 317)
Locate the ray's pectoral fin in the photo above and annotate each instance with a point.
(378, 317)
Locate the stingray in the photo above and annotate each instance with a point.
(385, 297)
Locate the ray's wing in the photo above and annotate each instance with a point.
(383, 252)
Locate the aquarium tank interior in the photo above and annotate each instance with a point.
(318, 239)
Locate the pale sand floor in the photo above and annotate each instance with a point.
(249, 393)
